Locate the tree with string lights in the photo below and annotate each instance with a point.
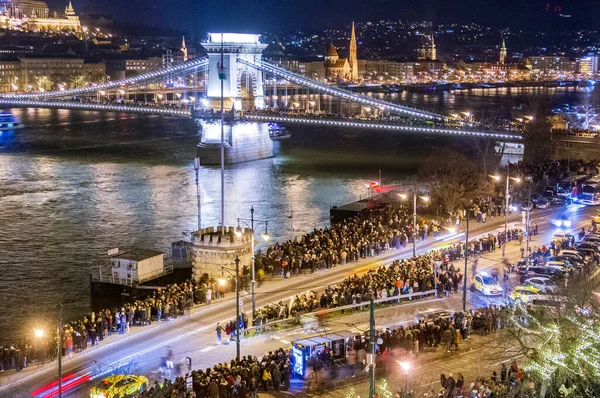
(557, 342)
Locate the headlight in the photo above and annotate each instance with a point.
(566, 223)
(499, 288)
(558, 223)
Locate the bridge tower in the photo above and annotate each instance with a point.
(234, 45)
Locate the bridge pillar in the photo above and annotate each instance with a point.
(234, 45)
(245, 141)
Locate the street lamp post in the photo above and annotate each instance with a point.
(265, 237)
(198, 199)
(237, 308)
(414, 231)
(405, 368)
(59, 349)
(529, 179)
(237, 302)
(506, 199)
(466, 263)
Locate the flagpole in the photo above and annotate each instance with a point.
(222, 78)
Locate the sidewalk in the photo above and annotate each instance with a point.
(11, 377)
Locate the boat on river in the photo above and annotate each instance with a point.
(278, 133)
(9, 122)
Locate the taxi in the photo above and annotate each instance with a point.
(119, 386)
(521, 294)
(486, 284)
(597, 219)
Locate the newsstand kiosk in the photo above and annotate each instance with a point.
(302, 350)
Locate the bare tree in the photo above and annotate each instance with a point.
(454, 181)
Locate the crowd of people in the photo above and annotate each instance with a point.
(360, 237)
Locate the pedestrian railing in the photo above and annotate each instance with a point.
(314, 316)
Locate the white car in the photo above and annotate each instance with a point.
(562, 221)
(546, 285)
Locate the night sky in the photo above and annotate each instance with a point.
(259, 15)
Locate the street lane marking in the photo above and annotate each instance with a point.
(207, 349)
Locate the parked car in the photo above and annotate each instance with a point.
(544, 284)
(522, 294)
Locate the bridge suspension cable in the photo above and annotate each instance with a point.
(304, 81)
(146, 77)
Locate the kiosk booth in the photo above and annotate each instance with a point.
(333, 343)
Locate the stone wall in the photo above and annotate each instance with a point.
(212, 250)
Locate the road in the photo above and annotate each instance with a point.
(143, 349)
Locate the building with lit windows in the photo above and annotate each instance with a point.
(25, 74)
(35, 15)
(552, 64)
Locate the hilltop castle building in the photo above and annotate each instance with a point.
(35, 15)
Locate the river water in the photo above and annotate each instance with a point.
(74, 184)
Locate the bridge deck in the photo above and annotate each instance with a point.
(383, 125)
(89, 106)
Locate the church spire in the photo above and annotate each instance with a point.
(353, 56)
(432, 50)
(184, 49)
(503, 52)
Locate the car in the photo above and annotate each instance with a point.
(560, 201)
(431, 315)
(543, 284)
(558, 265)
(597, 219)
(563, 221)
(119, 386)
(569, 260)
(555, 274)
(561, 236)
(486, 284)
(586, 252)
(521, 294)
(542, 203)
(572, 254)
(591, 239)
(587, 246)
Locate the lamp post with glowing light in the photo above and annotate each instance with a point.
(237, 303)
(506, 199)
(425, 199)
(265, 236)
(405, 369)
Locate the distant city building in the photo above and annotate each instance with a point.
(36, 16)
(29, 73)
(125, 66)
(552, 64)
(588, 65)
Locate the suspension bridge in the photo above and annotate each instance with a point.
(254, 90)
